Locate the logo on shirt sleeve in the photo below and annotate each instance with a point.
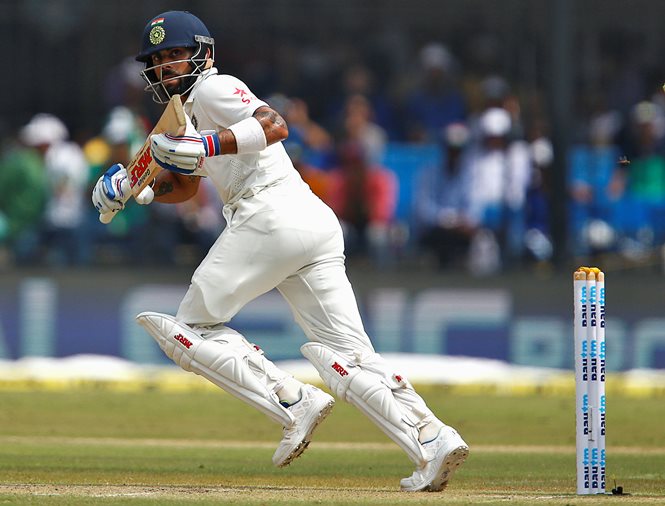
(245, 97)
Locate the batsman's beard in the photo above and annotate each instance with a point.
(174, 84)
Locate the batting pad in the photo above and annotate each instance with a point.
(366, 390)
(225, 358)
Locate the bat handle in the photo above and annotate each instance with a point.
(106, 218)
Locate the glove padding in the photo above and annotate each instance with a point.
(112, 191)
(178, 154)
(184, 154)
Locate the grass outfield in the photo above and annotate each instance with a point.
(203, 447)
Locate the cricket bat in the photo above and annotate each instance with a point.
(143, 169)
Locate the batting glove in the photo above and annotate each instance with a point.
(112, 191)
(184, 154)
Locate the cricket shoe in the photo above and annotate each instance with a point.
(309, 412)
(445, 453)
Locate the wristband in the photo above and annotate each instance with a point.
(211, 143)
(249, 134)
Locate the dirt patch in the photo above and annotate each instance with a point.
(125, 494)
(248, 495)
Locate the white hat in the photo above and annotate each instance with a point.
(43, 129)
(542, 152)
(495, 122)
(646, 112)
(120, 126)
(604, 127)
(650, 113)
(456, 134)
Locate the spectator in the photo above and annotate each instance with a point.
(642, 182)
(314, 143)
(359, 80)
(537, 239)
(317, 179)
(364, 198)
(646, 178)
(436, 101)
(358, 126)
(202, 219)
(123, 86)
(66, 175)
(495, 91)
(442, 201)
(22, 201)
(500, 173)
(121, 137)
(594, 188)
(125, 133)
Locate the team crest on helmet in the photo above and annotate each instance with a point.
(157, 35)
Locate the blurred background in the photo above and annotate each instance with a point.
(475, 152)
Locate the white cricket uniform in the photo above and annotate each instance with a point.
(278, 235)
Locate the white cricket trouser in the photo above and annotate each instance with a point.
(286, 238)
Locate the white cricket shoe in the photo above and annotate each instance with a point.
(309, 412)
(446, 453)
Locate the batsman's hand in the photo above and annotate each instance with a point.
(184, 154)
(112, 191)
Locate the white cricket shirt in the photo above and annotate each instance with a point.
(217, 102)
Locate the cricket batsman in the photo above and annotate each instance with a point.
(278, 235)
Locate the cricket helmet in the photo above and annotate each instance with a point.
(169, 30)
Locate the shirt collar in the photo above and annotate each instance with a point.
(204, 75)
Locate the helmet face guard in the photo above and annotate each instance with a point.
(167, 31)
(198, 62)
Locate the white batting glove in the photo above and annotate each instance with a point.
(112, 191)
(184, 154)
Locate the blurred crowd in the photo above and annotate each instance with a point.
(452, 171)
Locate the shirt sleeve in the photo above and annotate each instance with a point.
(228, 100)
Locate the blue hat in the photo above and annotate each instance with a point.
(172, 29)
